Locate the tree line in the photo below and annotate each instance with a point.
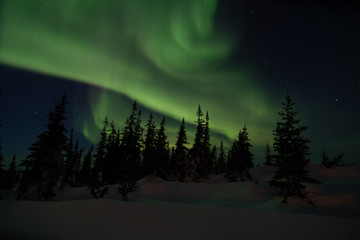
(123, 156)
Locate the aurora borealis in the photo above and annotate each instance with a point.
(235, 58)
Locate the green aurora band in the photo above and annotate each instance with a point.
(165, 54)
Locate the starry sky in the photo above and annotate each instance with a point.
(238, 59)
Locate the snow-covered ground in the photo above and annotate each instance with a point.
(212, 209)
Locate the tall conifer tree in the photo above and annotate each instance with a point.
(97, 183)
(112, 162)
(12, 173)
(45, 164)
(198, 164)
(208, 157)
(84, 176)
(2, 170)
(162, 153)
(131, 145)
(291, 149)
(240, 158)
(220, 166)
(180, 154)
(269, 161)
(149, 157)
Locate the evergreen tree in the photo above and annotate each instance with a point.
(97, 186)
(69, 153)
(198, 164)
(97, 183)
(84, 175)
(335, 162)
(131, 145)
(220, 163)
(149, 157)
(12, 174)
(2, 170)
(208, 157)
(240, 158)
(78, 154)
(180, 154)
(290, 149)
(99, 157)
(212, 160)
(112, 155)
(45, 164)
(162, 153)
(269, 161)
(72, 163)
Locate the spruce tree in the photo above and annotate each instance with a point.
(212, 160)
(220, 166)
(99, 157)
(240, 158)
(180, 154)
(198, 154)
(69, 154)
(162, 153)
(2, 170)
(112, 156)
(97, 183)
(148, 153)
(12, 174)
(45, 164)
(335, 162)
(72, 162)
(84, 175)
(131, 145)
(291, 149)
(78, 154)
(269, 161)
(208, 157)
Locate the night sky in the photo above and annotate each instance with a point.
(238, 59)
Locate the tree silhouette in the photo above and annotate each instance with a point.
(180, 154)
(209, 155)
(112, 162)
(290, 149)
(72, 162)
(240, 158)
(269, 161)
(336, 161)
(12, 174)
(200, 152)
(99, 157)
(149, 147)
(45, 164)
(84, 175)
(97, 182)
(2, 170)
(131, 145)
(220, 166)
(162, 153)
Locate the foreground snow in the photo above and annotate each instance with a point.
(212, 209)
(111, 219)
